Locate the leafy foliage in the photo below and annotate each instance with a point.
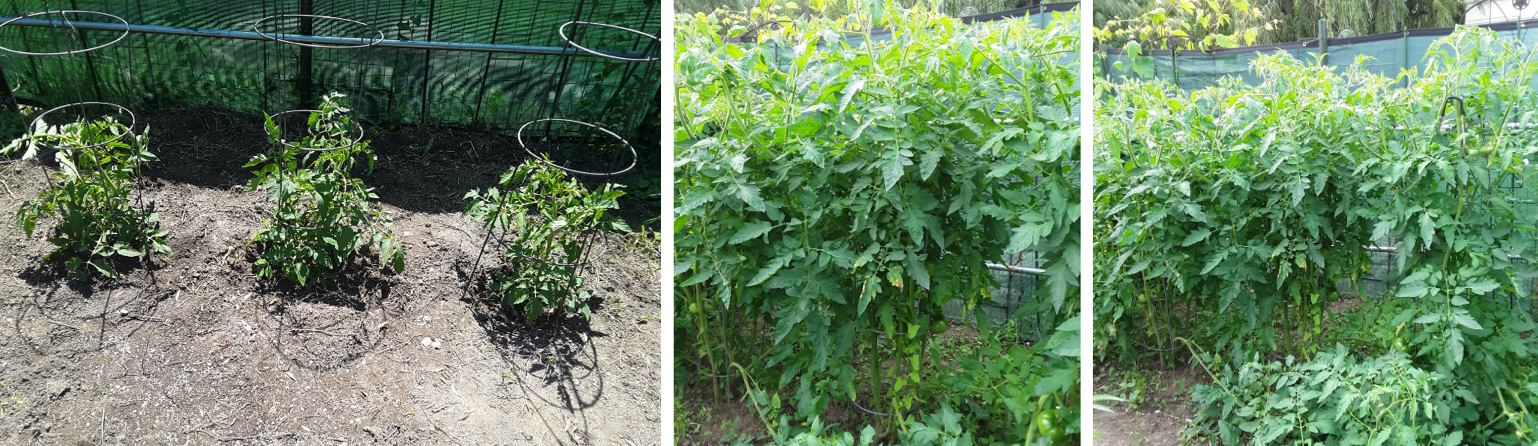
(551, 218)
(738, 16)
(1254, 207)
(1333, 399)
(97, 219)
(322, 216)
(843, 192)
(1005, 391)
(1188, 25)
(1226, 24)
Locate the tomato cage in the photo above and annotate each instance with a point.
(68, 45)
(95, 195)
(491, 65)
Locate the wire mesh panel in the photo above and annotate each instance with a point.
(544, 76)
(1383, 54)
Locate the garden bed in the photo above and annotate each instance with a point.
(196, 349)
(1161, 415)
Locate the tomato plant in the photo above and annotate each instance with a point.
(322, 215)
(1249, 211)
(552, 219)
(97, 217)
(833, 195)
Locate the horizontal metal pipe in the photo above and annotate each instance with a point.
(1391, 249)
(318, 40)
(1017, 269)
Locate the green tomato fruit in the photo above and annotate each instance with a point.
(1048, 424)
(939, 327)
(694, 308)
(1400, 345)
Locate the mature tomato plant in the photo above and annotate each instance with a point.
(834, 195)
(1249, 210)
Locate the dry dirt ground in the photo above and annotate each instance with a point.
(1162, 415)
(194, 349)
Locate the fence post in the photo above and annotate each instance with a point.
(6, 98)
(306, 57)
(480, 97)
(1324, 42)
(427, 60)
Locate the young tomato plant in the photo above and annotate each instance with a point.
(322, 215)
(552, 219)
(96, 216)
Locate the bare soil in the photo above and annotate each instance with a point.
(1163, 414)
(194, 349)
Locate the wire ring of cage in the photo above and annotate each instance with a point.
(66, 21)
(353, 143)
(273, 214)
(133, 120)
(562, 32)
(589, 257)
(275, 36)
(868, 411)
(634, 157)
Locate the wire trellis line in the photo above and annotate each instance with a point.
(353, 143)
(647, 57)
(132, 121)
(127, 28)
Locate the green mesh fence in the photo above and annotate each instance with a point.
(493, 64)
(1386, 55)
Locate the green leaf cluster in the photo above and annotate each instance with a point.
(551, 218)
(322, 215)
(833, 195)
(1335, 398)
(91, 200)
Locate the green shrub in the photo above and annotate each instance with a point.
(96, 216)
(322, 215)
(551, 218)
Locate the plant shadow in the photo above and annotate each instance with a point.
(52, 268)
(553, 358)
(329, 325)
